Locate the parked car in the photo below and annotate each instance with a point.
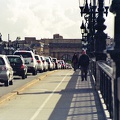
(40, 66)
(6, 71)
(59, 65)
(30, 60)
(68, 66)
(63, 65)
(45, 64)
(51, 59)
(50, 64)
(18, 64)
(56, 62)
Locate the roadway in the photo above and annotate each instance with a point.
(19, 82)
(58, 96)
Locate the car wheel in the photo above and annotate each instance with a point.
(26, 76)
(23, 76)
(11, 82)
(7, 83)
(34, 72)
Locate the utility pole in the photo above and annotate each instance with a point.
(8, 44)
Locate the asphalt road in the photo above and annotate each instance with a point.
(30, 102)
(18, 82)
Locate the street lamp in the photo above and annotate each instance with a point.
(115, 55)
(93, 16)
(100, 36)
(82, 28)
(85, 40)
(88, 9)
(84, 33)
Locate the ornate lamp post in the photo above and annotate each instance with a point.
(115, 55)
(84, 36)
(90, 11)
(100, 36)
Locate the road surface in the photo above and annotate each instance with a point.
(59, 96)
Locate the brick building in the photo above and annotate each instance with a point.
(61, 48)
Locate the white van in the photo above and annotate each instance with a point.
(30, 60)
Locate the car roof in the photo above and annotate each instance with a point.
(14, 55)
(2, 55)
(23, 51)
(54, 58)
(37, 55)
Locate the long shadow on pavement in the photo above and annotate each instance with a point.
(79, 101)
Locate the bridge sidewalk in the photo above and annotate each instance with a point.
(90, 101)
(72, 100)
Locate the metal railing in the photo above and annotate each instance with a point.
(102, 74)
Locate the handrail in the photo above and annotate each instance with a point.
(106, 68)
(103, 75)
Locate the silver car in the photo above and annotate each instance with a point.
(40, 66)
(51, 59)
(50, 64)
(45, 64)
(6, 71)
(29, 59)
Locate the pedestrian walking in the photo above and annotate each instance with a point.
(75, 61)
(84, 64)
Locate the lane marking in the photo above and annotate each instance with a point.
(17, 91)
(47, 99)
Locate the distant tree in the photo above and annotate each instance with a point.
(18, 38)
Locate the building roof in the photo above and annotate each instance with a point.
(64, 45)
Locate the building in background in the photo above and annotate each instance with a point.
(56, 47)
(61, 48)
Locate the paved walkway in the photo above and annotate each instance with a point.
(86, 103)
(75, 99)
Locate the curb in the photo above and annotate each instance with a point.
(17, 91)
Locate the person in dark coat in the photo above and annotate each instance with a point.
(75, 61)
(84, 64)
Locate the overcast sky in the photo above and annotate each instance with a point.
(42, 19)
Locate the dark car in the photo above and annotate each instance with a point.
(18, 65)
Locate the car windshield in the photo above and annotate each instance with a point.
(15, 60)
(36, 57)
(54, 60)
(24, 54)
(47, 60)
(2, 62)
